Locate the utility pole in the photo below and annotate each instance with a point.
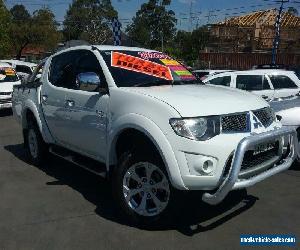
(277, 32)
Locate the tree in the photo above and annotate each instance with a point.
(5, 20)
(44, 29)
(187, 45)
(153, 25)
(39, 30)
(292, 11)
(20, 28)
(89, 20)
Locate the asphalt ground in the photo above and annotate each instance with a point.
(60, 206)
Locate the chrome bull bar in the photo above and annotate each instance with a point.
(232, 181)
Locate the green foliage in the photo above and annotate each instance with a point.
(20, 28)
(45, 32)
(153, 24)
(89, 20)
(186, 45)
(38, 30)
(5, 42)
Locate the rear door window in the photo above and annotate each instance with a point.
(252, 82)
(221, 81)
(282, 82)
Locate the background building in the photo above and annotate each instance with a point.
(254, 32)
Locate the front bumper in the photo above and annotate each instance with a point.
(5, 104)
(232, 181)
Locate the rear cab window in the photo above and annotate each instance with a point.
(252, 82)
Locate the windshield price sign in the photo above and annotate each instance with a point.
(139, 65)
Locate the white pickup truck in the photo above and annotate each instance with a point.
(155, 127)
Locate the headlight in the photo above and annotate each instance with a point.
(202, 128)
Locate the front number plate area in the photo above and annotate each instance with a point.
(262, 148)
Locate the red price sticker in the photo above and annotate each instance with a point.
(139, 65)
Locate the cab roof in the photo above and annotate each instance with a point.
(105, 47)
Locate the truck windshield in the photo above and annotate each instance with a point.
(145, 69)
(8, 75)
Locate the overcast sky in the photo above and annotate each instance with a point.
(189, 13)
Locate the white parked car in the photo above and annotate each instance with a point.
(23, 69)
(8, 78)
(269, 84)
(204, 73)
(289, 111)
(152, 124)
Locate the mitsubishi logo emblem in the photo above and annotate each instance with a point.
(256, 123)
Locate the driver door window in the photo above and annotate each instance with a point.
(88, 63)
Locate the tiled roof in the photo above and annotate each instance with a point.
(265, 17)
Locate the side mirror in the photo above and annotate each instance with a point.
(88, 81)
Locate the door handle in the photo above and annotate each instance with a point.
(44, 98)
(70, 103)
(265, 97)
(100, 113)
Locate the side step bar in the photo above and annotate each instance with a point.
(86, 163)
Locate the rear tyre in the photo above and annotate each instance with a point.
(142, 189)
(36, 148)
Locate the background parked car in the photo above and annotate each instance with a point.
(23, 69)
(270, 83)
(289, 111)
(204, 73)
(8, 78)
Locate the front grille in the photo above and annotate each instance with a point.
(251, 161)
(234, 123)
(265, 116)
(5, 93)
(3, 101)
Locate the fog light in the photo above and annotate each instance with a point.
(205, 166)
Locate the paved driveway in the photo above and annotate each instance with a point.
(61, 206)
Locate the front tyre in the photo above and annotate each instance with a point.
(35, 145)
(142, 189)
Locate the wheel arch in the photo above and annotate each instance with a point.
(134, 123)
(31, 112)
